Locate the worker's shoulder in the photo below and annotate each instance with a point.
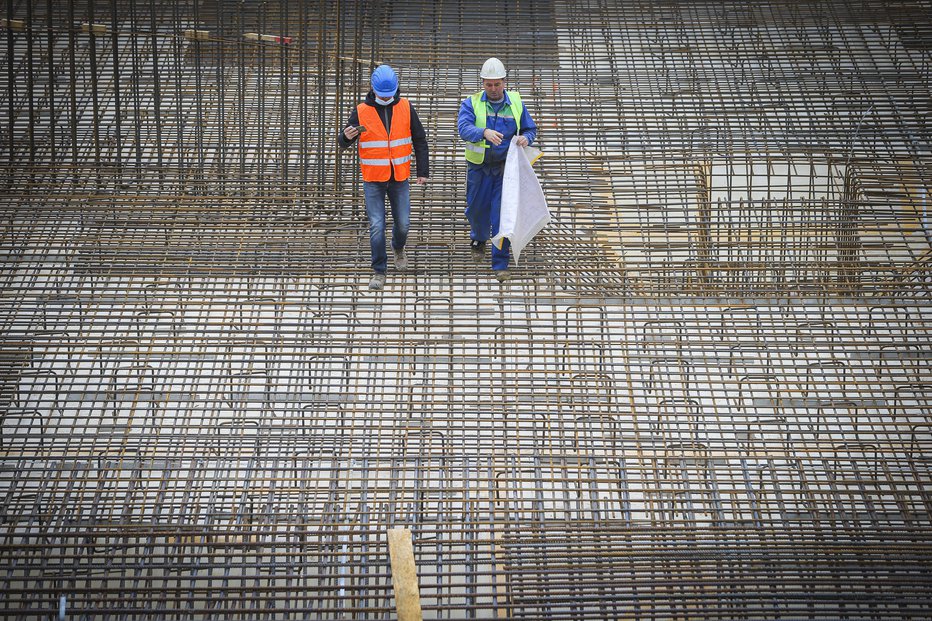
(404, 101)
(467, 101)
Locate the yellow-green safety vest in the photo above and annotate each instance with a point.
(475, 151)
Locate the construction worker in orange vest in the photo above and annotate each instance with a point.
(390, 134)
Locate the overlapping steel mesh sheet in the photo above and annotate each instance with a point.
(706, 393)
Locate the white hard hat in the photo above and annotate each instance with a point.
(492, 69)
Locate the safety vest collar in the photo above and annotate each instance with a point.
(485, 97)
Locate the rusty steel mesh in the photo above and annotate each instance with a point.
(705, 393)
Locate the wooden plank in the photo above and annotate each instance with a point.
(404, 575)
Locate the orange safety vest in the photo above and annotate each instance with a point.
(378, 150)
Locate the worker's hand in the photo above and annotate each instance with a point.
(493, 136)
(350, 132)
(522, 141)
(420, 180)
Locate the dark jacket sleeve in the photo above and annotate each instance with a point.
(419, 138)
(353, 120)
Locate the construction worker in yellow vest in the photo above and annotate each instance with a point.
(487, 121)
(389, 135)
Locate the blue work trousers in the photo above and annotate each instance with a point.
(399, 196)
(484, 208)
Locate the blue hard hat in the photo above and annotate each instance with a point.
(384, 81)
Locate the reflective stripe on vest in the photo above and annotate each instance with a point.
(475, 151)
(383, 151)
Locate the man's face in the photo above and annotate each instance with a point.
(494, 89)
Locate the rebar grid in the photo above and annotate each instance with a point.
(706, 393)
